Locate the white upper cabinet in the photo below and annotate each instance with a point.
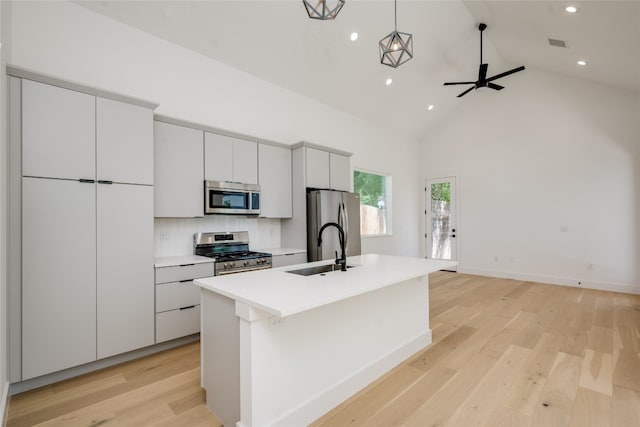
(245, 161)
(327, 170)
(340, 172)
(125, 271)
(230, 159)
(58, 132)
(275, 181)
(317, 167)
(178, 171)
(218, 157)
(124, 142)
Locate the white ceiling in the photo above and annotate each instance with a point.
(277, 42)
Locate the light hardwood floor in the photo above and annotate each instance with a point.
(504, 353)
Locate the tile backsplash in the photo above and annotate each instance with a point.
(174, 236)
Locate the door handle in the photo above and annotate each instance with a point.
(345, 225)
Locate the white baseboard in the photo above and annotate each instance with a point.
(5, 403)
(555, 280)
(30, 384)
(322, 403)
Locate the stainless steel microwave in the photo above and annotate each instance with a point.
(231, 198)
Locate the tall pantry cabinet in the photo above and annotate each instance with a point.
(87, 226)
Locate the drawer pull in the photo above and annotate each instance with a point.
(187, 307)
(186, 265)
(186, 280)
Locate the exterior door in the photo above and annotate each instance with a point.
(440, 209)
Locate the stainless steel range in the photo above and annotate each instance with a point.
(230, 251)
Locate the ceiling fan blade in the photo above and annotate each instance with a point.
(482, 72)
(459, 83)
(466, 91)
(506, 73)
(495, 86)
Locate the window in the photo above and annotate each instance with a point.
(375, 202)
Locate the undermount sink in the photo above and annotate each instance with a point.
(319, 269)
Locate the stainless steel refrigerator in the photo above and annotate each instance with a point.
(340, 207)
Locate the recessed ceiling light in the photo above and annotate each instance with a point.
(389, 81)
(354, 36)
(430, 107)
(581, 62)
(571, 9)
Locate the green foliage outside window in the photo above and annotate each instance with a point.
(441, 192)
(371, 188)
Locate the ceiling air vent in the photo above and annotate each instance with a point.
(557, 43)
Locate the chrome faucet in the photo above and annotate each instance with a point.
(342, 261)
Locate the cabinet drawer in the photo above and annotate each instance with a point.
(174, 295)
(177, 323)
(288, 259)
(183, 272)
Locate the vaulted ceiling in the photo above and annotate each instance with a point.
(277, 42)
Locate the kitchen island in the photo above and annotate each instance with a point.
(283, 349)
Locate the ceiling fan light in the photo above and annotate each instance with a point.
(396, 49)
(323, 10)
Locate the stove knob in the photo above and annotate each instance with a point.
(232, 264)
(246, 263)
(226, 265)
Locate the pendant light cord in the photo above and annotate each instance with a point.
(481, 46)
(395, 14)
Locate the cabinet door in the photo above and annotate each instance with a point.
(178, 171)
(275, 181)
(317, 165)
(125, 283)
(218, 157)
(340, 171)
(124, 142)
(58, 132)
(245, 161)
(288, 259)
(58, 275)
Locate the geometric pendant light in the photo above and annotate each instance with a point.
(323, 9)
(397, 47)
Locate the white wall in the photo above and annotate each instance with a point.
(546, 154)
(4, 8)
(71, 42)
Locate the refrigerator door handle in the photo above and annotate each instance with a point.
(345, 225)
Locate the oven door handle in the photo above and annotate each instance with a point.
(242, 270)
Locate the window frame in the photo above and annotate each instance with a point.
(387, 200)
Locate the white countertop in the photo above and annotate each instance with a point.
(282, 251)
(172, 261)
(284, 294)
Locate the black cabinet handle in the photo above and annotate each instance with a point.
(86, 181)
(185, 265)
(104, 181)
(185, 281)
(187, 307)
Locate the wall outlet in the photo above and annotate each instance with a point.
(589, 266)
(164, 236)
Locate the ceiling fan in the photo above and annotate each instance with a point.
(483, 81)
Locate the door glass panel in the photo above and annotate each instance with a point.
(441, 227)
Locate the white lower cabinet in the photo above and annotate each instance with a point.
(177, 323)
(125, 268)
(87, 267)
(178, 300)
(288, 259)
(58, 275)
